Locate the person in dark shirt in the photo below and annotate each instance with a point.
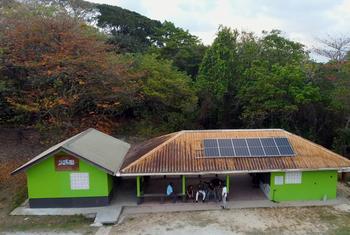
(190, 192)
(217, 183)
(210, 190)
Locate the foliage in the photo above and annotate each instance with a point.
(184, 49)
(167, 94)
(218, 77)
(130, 31)
(60, 72)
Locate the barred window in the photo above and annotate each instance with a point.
(293, 178)
(79, 181)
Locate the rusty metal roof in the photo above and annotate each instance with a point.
(182, 153)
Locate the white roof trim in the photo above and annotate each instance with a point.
(91, 145)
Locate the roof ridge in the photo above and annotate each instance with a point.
(154, 149)
(224, 130)
(76, 137)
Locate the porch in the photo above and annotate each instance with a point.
(241, 187)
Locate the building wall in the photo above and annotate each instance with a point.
(315, 185)
(45, 182)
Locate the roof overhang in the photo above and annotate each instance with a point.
(119, 174)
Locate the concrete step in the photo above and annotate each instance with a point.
(108, 215)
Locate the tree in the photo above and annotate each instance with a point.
(58, 70)
(218, 77)
(273, 94)
(168, 99)
(184, 49)
(131, 32)
(334, 48)
(276, 86)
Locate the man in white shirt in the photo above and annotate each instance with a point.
(224, 197)
(201, 191)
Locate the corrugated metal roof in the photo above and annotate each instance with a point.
(182, 153)
(91, 145)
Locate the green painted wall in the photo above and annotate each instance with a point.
(45, 182)
(314, 185)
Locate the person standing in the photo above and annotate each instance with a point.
(224, 197)
(217, 188)
(170, 192)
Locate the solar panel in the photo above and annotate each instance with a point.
(271, 151)
(256, 151)
(239, 143)
(267, 142)
(227, 152)
(225, 143)
(281, 141)
(286, 150)
(212, 152)
(242, 152)
(248, 147)
(210, 143)
(253, 142)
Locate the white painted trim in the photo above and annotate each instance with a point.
(343, 169)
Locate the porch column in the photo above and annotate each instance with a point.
(138, 189)
(228, 183)
(183, 185)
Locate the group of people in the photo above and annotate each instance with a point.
(213, 190)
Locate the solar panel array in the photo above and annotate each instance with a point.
(248, 147)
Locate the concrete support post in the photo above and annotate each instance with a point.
(183, 185)
(228, 183)
(138, 186)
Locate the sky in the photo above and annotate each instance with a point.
(301, 20)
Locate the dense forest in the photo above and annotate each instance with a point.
(66, 65)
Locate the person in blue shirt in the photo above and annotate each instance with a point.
(170, 192)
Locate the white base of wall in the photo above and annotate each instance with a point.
(265, 188)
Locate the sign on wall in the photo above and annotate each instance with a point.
(66, 162)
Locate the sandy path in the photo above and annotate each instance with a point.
(313, 220)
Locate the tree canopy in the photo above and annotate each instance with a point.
(66, 65)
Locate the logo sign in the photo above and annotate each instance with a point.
(65, 162)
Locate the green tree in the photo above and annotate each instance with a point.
(341, 102)
(131, 32)
(218, 78)
(184, 49)
(167, 97)
(272, 95)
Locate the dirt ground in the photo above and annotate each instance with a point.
(312, 220)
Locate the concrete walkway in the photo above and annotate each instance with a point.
(112, 214)
(124, 203)
(189, 206)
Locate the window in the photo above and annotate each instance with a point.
(79, 181)
(278, 180)
(293, 178)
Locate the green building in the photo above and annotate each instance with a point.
(284, 167)
(77, 172)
